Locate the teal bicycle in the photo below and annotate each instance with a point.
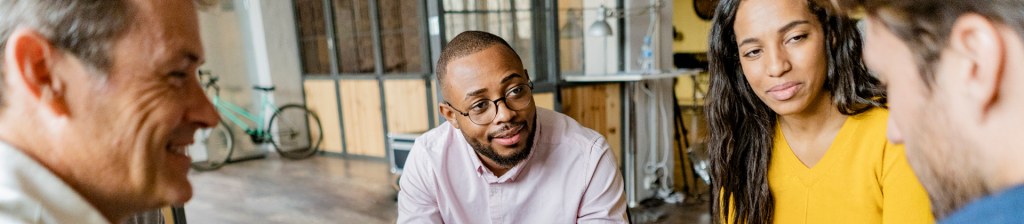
(293, 130)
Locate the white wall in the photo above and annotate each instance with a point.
(600, 54)
(247, 43)
(225, 53)
(638, 20)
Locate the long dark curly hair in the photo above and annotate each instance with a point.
(742, 127)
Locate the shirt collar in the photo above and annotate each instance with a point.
(41, 191)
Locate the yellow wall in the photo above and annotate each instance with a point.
(695, 31)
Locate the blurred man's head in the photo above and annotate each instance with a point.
(954, 80)
(475, 70)
(104, 94)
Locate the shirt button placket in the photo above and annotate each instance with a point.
(494, 202)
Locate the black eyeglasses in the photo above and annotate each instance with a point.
(481, 112)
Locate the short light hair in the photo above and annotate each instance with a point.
(84, 28)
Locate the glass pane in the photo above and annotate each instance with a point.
(400, 36)
(312, 37)
(508, 19)
(523, 41)
(354, 37)
(571, 32)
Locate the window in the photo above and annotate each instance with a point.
(357, 36)
(520, 22)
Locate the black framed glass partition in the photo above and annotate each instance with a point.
(366, 71)
(528, 25)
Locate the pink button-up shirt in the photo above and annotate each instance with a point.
(569, 177)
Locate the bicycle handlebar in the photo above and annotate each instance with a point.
(211, 80)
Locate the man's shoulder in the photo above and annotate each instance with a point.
(31, 192)
(1003, 207)
(438, 136)
(432, 145)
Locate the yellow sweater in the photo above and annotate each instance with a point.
(863, 178)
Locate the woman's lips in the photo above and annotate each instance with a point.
(784, 91)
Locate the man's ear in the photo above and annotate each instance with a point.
(448, 114)
(29, 58)
(980, 42)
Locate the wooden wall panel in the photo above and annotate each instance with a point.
(545, 100)
(597, 107)
(438, 117)
(406, 106)
(321, 99)
(364, 132)
(168, 214)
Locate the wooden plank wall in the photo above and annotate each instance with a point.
(438, 118)
(545, 100)
(364, 132)
(597, 107)
(406, 106)
(321, 99)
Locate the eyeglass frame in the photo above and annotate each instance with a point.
(503, 98)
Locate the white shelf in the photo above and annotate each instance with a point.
(630, 77)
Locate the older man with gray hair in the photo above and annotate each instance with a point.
(98, 101)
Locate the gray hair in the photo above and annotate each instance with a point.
(84, 28)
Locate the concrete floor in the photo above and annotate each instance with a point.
(330, 190)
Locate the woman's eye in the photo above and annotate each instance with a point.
(752, 53)
(797, 38)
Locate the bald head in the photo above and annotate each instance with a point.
(465, 44)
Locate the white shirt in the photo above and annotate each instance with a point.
(570, 176)
(30, 193)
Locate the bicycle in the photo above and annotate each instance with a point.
(293, 130)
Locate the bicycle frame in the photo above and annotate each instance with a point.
(228, 110)
(256, 124)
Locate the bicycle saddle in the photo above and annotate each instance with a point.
(264, 88)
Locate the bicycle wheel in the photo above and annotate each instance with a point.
(212, 147)
(295, 132)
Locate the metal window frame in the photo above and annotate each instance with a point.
(376, 35)
(544, 46)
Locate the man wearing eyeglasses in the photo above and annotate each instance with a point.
(500, 159)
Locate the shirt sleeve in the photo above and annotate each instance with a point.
(904, 199)
(604, 200)
(416, 199)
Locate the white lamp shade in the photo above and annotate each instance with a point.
(600, 28)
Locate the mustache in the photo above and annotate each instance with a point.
(506, 130)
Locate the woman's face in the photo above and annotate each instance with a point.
(781, 50)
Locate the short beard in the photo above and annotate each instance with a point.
(505, 161)
(943, 162)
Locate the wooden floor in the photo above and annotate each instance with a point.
(329, 190)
